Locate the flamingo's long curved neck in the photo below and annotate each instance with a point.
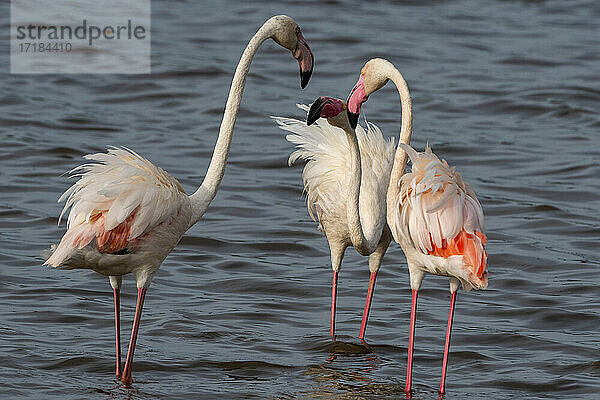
(214, 175)
(400, 158)
(359, 241)
(362, 245)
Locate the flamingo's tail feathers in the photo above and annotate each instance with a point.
(55, 260)
(55, 256)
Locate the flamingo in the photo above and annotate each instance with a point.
(127, 214)
(346, 201)
(432, 213)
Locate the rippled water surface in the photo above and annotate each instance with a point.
(508, 91)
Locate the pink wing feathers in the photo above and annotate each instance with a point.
(441, 214)
(117, 199)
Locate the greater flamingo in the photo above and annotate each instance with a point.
(434, 216)
(127, 214)
(346, 201)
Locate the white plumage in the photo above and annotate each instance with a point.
(119, 182)
(327, 173)
(119, 197)
(329, 176)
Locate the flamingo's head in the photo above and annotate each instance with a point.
(287, 33)
(330, 108)
(371, 79)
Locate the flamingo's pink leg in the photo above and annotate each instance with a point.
(117, 296)
(134, 331)
(411, 341)
(447, 346)
(333, 298)
(363, 325)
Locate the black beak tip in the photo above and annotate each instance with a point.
(353, 118)
(304, 78)
(312, 118)
(315, 111)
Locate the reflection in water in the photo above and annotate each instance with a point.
(348, 373)
(120, 391)
(358, 371)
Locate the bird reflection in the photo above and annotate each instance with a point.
(348, 368)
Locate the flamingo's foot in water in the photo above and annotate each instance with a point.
(127, 380)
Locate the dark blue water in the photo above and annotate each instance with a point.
(508, 91)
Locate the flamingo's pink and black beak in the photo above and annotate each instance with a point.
(355, 99)
(325, 107)
(305, 60)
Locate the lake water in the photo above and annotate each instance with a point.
(508, 91)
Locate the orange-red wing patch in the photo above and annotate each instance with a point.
(470, 246)
(115, 239)
(107, 241)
